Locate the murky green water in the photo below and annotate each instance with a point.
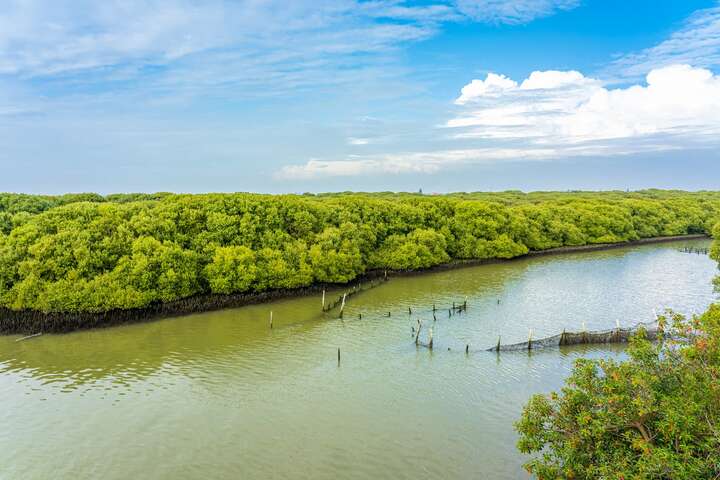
(220, 395)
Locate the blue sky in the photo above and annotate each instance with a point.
(321, 95)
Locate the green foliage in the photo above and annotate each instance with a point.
(715, 249)
(654, 416)
(84, 252)
(232, 269)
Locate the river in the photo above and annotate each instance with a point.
(221, 395)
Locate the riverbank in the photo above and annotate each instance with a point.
(32, 322)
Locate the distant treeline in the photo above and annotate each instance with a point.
(92, 253)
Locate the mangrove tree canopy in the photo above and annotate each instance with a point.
(89, 253)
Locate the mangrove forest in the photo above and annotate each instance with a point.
(89, 253)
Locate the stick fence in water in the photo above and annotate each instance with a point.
(615, 335)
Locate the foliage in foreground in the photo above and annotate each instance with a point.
(88, 253)
(654, 416)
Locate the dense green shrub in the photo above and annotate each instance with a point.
(654, 416)
(84, 252)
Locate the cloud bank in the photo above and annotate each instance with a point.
(557, 114)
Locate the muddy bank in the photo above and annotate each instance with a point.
(31, 321)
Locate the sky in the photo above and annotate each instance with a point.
(373, 95)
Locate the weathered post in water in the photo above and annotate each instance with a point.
(338, 357)
(342, 305)
(417, 333)
(271, 319)
(430, 341)
(530, 340)
(323, 300)
(498, 345)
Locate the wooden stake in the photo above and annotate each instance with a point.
(323, 300)
(342, 305)
(467, 348)
(430, 342)
(498, 344)
(338, 357)
(29, 337)
(530, 340)
(271, 319)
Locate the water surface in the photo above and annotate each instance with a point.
(220, 395)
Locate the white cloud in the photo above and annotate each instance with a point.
(52, 37)
(435, 161)
(493, 86)
(552, 115)
(567, 108)
(512, 12)
(411, 162)
(496, 86)
(554, 79)
(696, 43)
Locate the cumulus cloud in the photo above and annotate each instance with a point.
(567, 108)
(496, 86)
(493, 86)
